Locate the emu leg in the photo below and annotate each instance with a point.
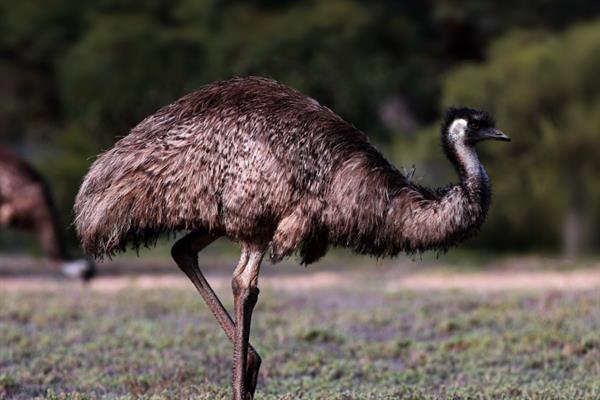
(6, 213)
(245, 292)
(185, 253)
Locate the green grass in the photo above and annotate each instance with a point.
(346, 343)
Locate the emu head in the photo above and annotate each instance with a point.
(465, 126)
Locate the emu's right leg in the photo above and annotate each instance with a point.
(185, 253)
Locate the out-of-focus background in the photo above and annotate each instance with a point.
(77, 75)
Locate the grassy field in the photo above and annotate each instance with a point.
(356, 340)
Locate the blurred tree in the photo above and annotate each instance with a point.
(341, 52)
(467, 26)
(122, 69)
(33, 35)
(545, 92)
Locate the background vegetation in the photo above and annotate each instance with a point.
(76, 75)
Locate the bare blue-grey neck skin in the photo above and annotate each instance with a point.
(461, 131)
(450, 214)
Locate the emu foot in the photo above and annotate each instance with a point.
(80, 269)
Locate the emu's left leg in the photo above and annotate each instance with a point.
(245, 294)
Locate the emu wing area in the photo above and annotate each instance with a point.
(235, 157)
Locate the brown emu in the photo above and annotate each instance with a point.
(260, 163)
(26, 203)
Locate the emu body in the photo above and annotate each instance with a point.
(26, 203)
(262, 164)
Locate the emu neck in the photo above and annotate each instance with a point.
(473, 176)
(424, 219)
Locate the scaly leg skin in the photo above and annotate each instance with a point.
(185, 253)
(245, 294)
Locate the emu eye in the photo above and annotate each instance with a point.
(474, 125)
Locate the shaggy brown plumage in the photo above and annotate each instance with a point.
(258, 162)
(26, 203)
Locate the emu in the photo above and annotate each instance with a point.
(26, 203)
(267, 167)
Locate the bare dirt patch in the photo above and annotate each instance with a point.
(501, 280)
(388, 279)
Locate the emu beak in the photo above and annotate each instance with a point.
(493, 134)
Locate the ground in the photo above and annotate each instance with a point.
(385, 331)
